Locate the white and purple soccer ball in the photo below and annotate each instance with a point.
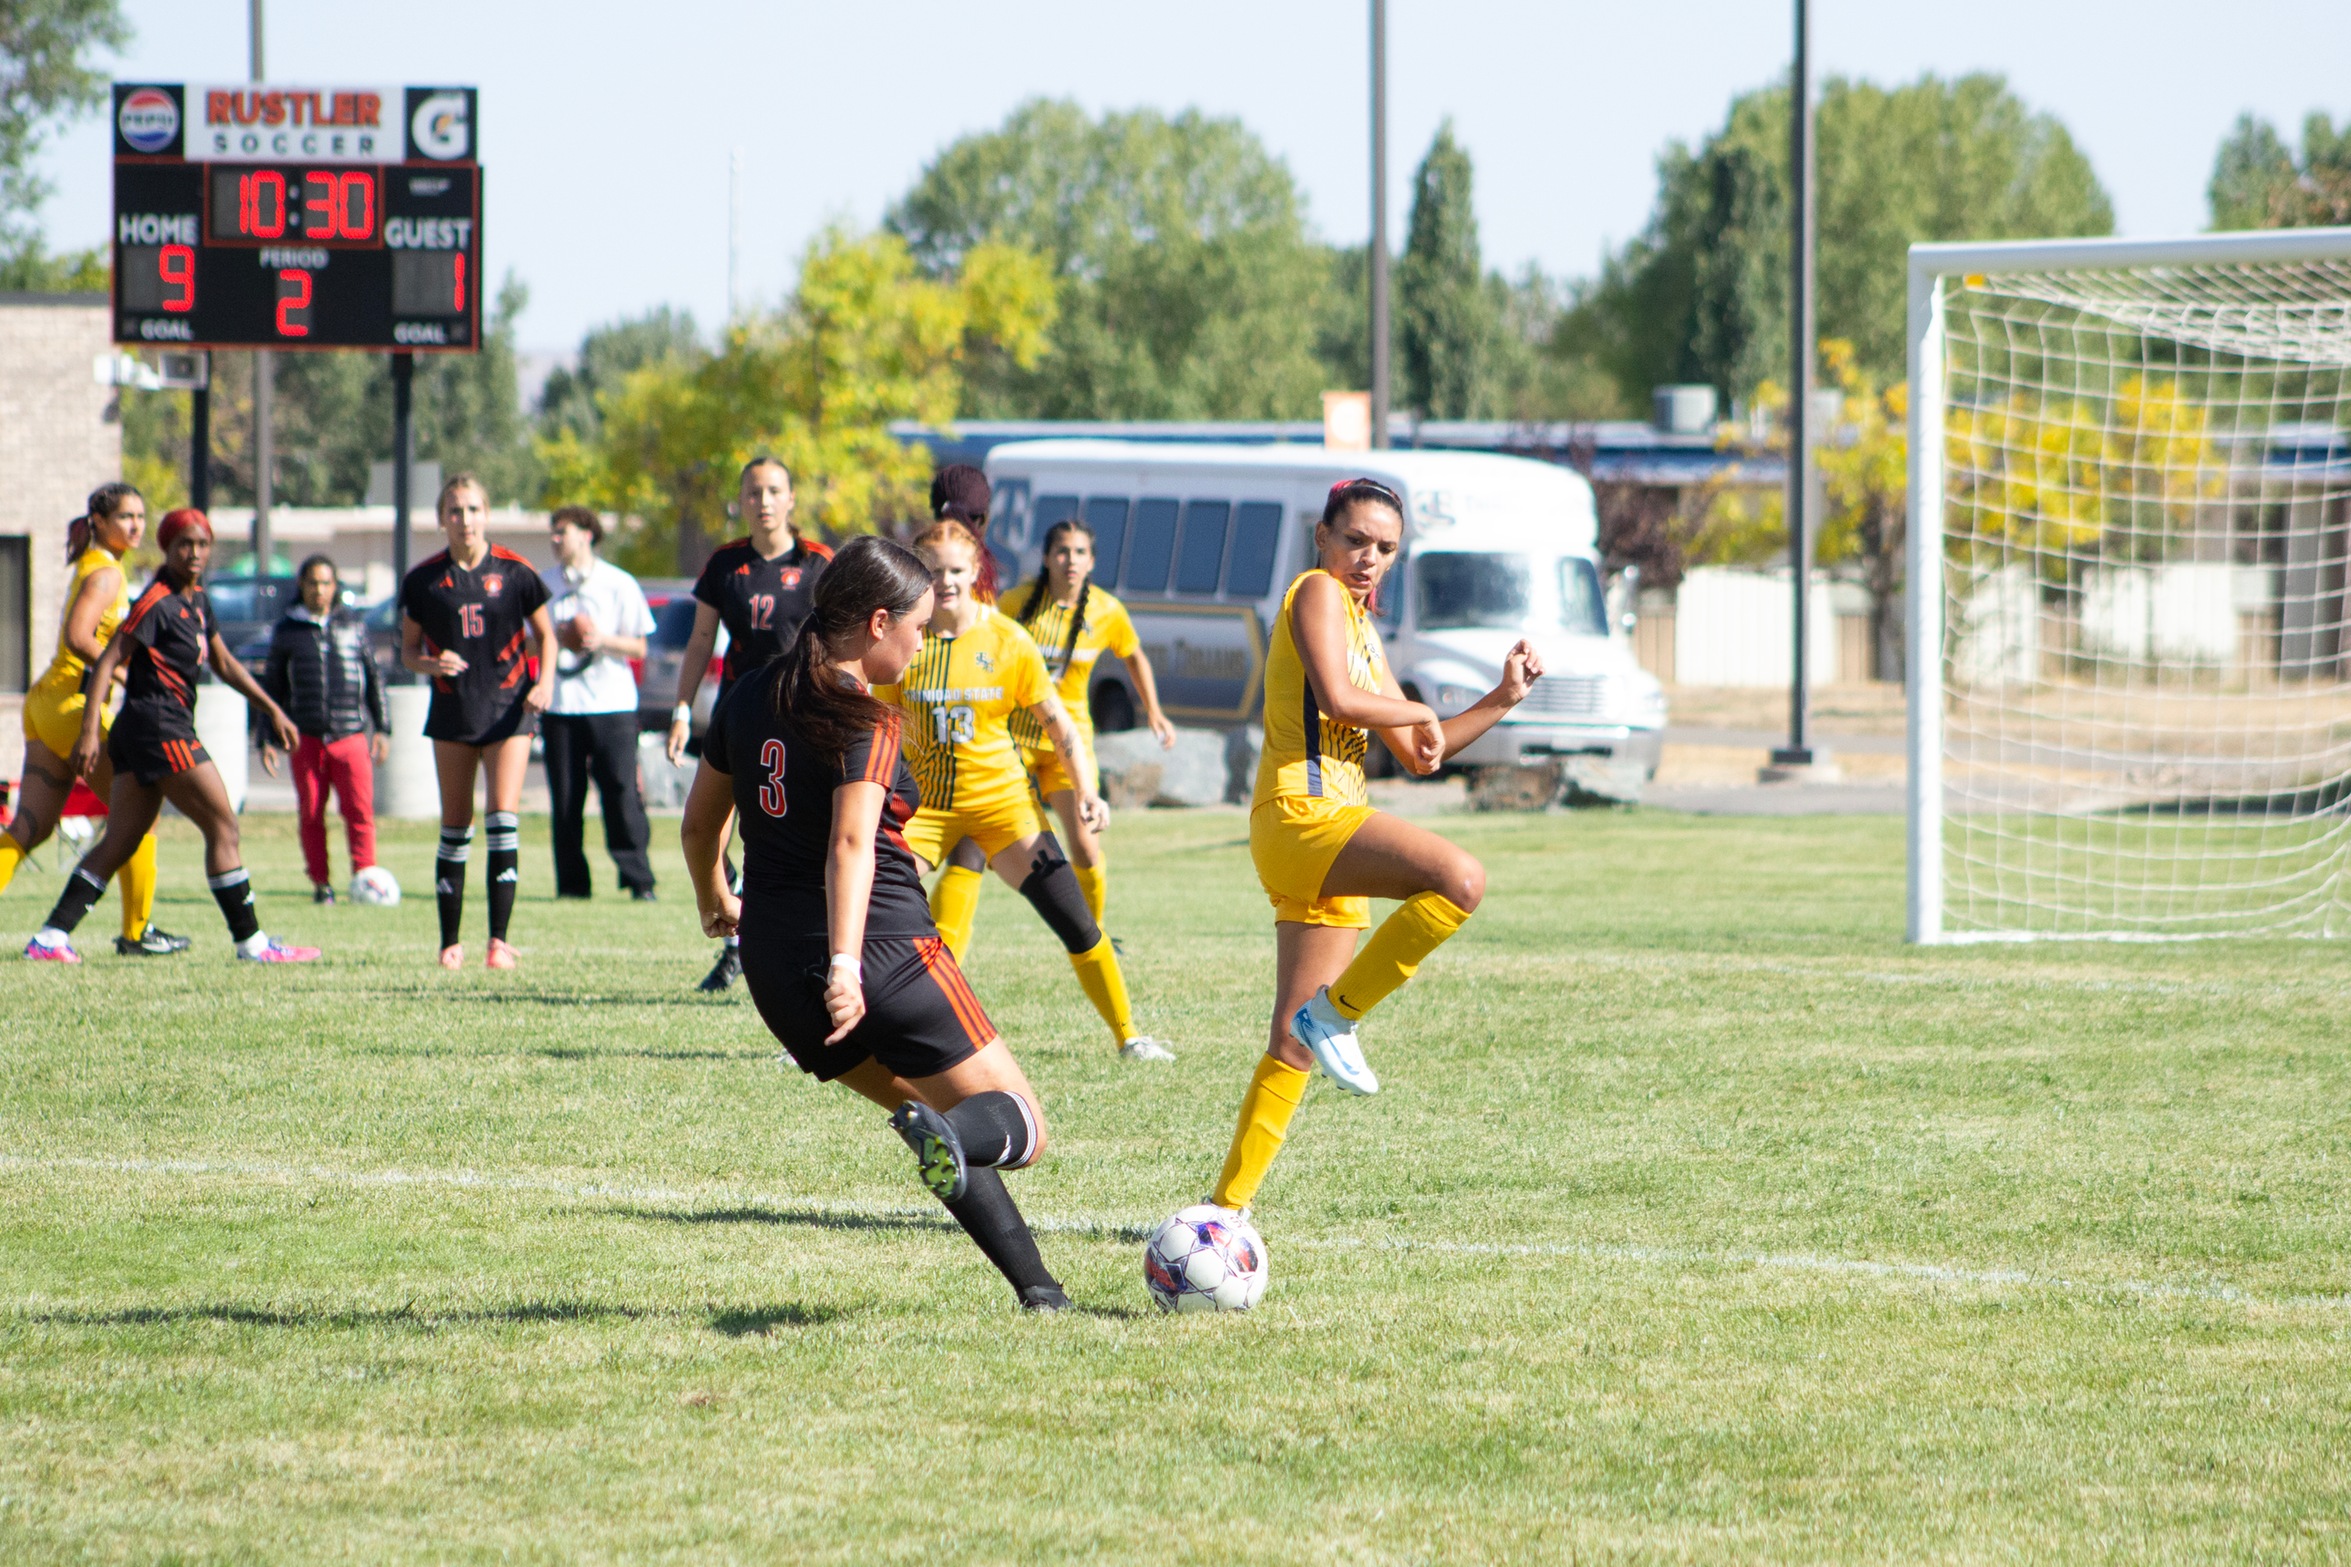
(1206, 1259)
(375, 887)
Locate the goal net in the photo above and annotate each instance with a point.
(2130, 674)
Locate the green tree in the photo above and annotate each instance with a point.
(866, 339)
(607, 356)
(1448, 319)
(1188, 284)
(45, 78)
(1701, 294)
(2259, 183)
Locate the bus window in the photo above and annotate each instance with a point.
(1049, 510)
(1107, 516)
(1255, 537)
(1201, 560)
(1149, 550)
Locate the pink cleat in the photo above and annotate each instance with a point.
(500, 955)
(453, 956)
(61, 953)
(276, 951)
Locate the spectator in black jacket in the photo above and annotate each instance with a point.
(322, 673)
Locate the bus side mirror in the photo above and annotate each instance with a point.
(1624, 598)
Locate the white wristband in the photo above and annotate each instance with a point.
(683, 713)
(842, 960)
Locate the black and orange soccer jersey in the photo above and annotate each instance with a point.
(784, 807)
(762, 603)
(482, 615)
(170, 632)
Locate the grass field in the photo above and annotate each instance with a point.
(1699, 1220)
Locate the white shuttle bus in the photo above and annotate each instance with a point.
(1200, 542)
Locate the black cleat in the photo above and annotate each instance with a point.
(1043, 1297)
(938, 1152)
(153, 942)
(320, 892)
(1117, 946)
(644, 895)
(724, 972)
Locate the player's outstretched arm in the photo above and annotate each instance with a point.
(1522, 666)
(239, 679)
(1147, 692)
(848, 889)
(710, 812)
(692, 666)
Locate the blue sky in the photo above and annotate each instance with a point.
(607, 134)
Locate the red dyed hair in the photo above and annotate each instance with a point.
(178, 521)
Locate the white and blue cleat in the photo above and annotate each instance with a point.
(1331, 1040)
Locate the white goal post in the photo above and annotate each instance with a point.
(2128, 565)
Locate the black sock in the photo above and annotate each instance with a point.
(449, 880)
(996, 1129)
(505, 864)
(82, 890)
(233, 890)
(988, 1215)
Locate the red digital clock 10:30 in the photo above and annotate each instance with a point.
(279, 243)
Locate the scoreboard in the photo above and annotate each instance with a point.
(255, 216)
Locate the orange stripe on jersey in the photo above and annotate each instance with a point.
(939, 963)
(881, 761)
(157, 591)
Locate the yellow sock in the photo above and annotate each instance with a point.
(137, 880)
(11, 856)
(1395, 951)
(1094, 882)
(1106, 987)
(1274, 1091)
(955, 904)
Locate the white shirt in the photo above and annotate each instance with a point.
(598, 682)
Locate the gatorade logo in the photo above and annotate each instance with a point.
(149, 120)
(439, 128)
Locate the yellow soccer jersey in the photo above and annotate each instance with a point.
(958, 695)
(66, 669)
(1107, 628)
(1307, 754)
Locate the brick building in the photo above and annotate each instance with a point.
(60, 438)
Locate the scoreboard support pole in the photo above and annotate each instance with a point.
(200, 444)
(403, 444)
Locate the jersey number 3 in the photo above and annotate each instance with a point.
(771, 793)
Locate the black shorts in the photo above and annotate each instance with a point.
(153, 752)
(451, 717)
(920, 1015)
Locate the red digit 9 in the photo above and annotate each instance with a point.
(177, 266)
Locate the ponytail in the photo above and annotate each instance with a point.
(866, 574)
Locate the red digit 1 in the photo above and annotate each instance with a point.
(457, 282)
(299, 280)
(177, 265)
(320, 204)
(771, 793)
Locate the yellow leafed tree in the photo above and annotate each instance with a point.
(866, 339)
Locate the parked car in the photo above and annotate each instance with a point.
(1201, 542)
(672, 602)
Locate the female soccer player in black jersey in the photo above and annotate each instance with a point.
(167, 635)
(839, 951)
(471, 617)
(758, 587)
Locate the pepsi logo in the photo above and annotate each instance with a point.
(149, 119)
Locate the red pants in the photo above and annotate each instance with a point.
(344, 767)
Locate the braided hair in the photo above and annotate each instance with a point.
(1035, 604)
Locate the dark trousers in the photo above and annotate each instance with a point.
(602, 747)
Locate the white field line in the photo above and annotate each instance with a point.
(1124, 1230)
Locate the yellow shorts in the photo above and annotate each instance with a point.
(1293, 839)
(1049, 777)
(55, 718)
(995, 821)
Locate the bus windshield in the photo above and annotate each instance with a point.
(1457, 589)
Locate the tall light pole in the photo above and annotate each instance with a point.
(1379, 222)
(264, 447)
(1802, 511)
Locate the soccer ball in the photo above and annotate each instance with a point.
(1205, 1259)
(375, 888)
